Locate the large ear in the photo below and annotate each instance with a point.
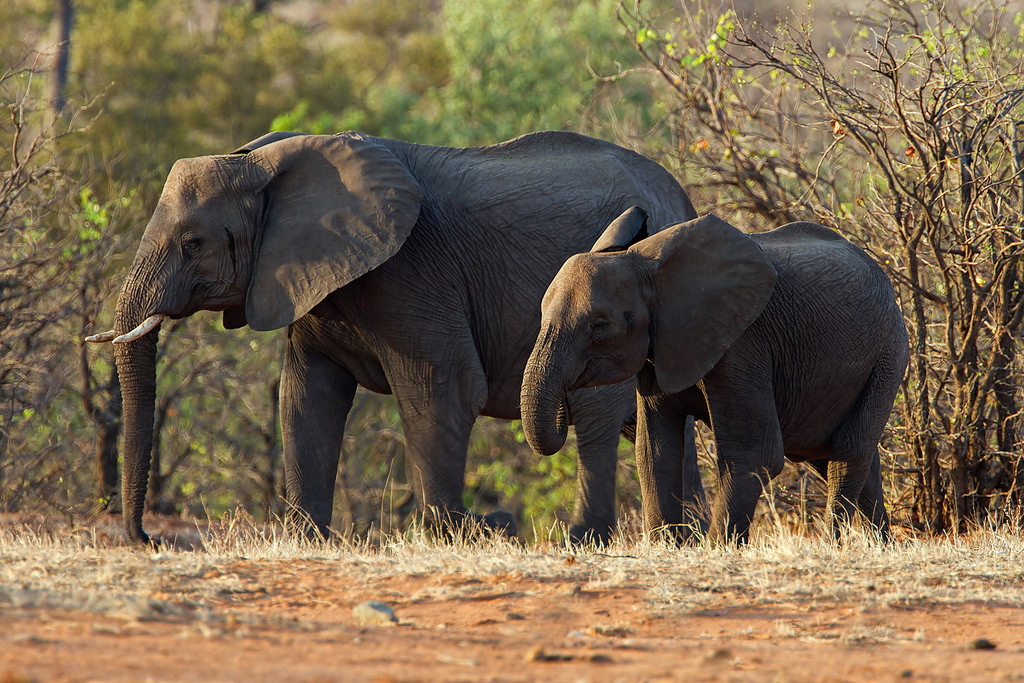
(234, 317)
(337, 206)
(712, 282)
(630, 227)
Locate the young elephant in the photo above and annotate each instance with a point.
(788, 343)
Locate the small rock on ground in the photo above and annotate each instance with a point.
(373, 613)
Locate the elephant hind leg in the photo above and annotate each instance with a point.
(857, 484)
(871, 502)
(855, 471)
(438, 402)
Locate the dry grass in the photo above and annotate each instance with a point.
(86, 572)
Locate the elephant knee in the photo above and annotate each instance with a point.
(774, 456)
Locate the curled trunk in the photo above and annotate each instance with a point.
(545, 420)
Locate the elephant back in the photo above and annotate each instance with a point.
(799, 250)
(551, 176)
(830, 295)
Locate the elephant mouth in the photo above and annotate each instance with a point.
(208, 297)
(590, 371)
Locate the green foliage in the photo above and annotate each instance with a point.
(475, 73)
(178, 80)
(505, 473)
(24, 25)
(93, 220)
(511, 74)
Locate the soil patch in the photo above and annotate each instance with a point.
(273, 620)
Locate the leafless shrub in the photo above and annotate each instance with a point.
(906, 135)
(53, 254)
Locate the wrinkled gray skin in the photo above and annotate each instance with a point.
(404, 268)
(789, 343)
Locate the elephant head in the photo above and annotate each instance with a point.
(263, 234)
(677, 299)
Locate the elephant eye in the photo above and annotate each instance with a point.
(192, 244)
(600, 327)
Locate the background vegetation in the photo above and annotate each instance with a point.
(899, 125)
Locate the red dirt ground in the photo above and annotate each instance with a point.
(293, 621)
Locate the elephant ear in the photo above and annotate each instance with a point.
(630, 227)
(336, 207)
(712, 281)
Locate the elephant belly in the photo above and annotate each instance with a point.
(808, 454)
(809, 419)
(502, 402)
(335, 339)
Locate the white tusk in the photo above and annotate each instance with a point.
(142, 330)
(101, 337)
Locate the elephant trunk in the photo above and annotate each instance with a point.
(136, 368)
(543, 405)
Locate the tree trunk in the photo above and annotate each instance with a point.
(64, 18)
(270, 443)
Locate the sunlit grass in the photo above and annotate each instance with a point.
(81, 570)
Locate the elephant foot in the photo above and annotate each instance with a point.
(452, 525)
(144, 541)
(501, 522)
(585, 535)
(884, 533)
(301, 525)
(840, 529)
(686, 534)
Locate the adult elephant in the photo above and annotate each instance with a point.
(787, 343)
(407, 269)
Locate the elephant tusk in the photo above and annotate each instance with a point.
(142, 330)
(101, 337)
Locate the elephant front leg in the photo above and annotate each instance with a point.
(740, 488)
(598, 415)
(666, 463)
(747, 458)
(748, 440)
(316, 396)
